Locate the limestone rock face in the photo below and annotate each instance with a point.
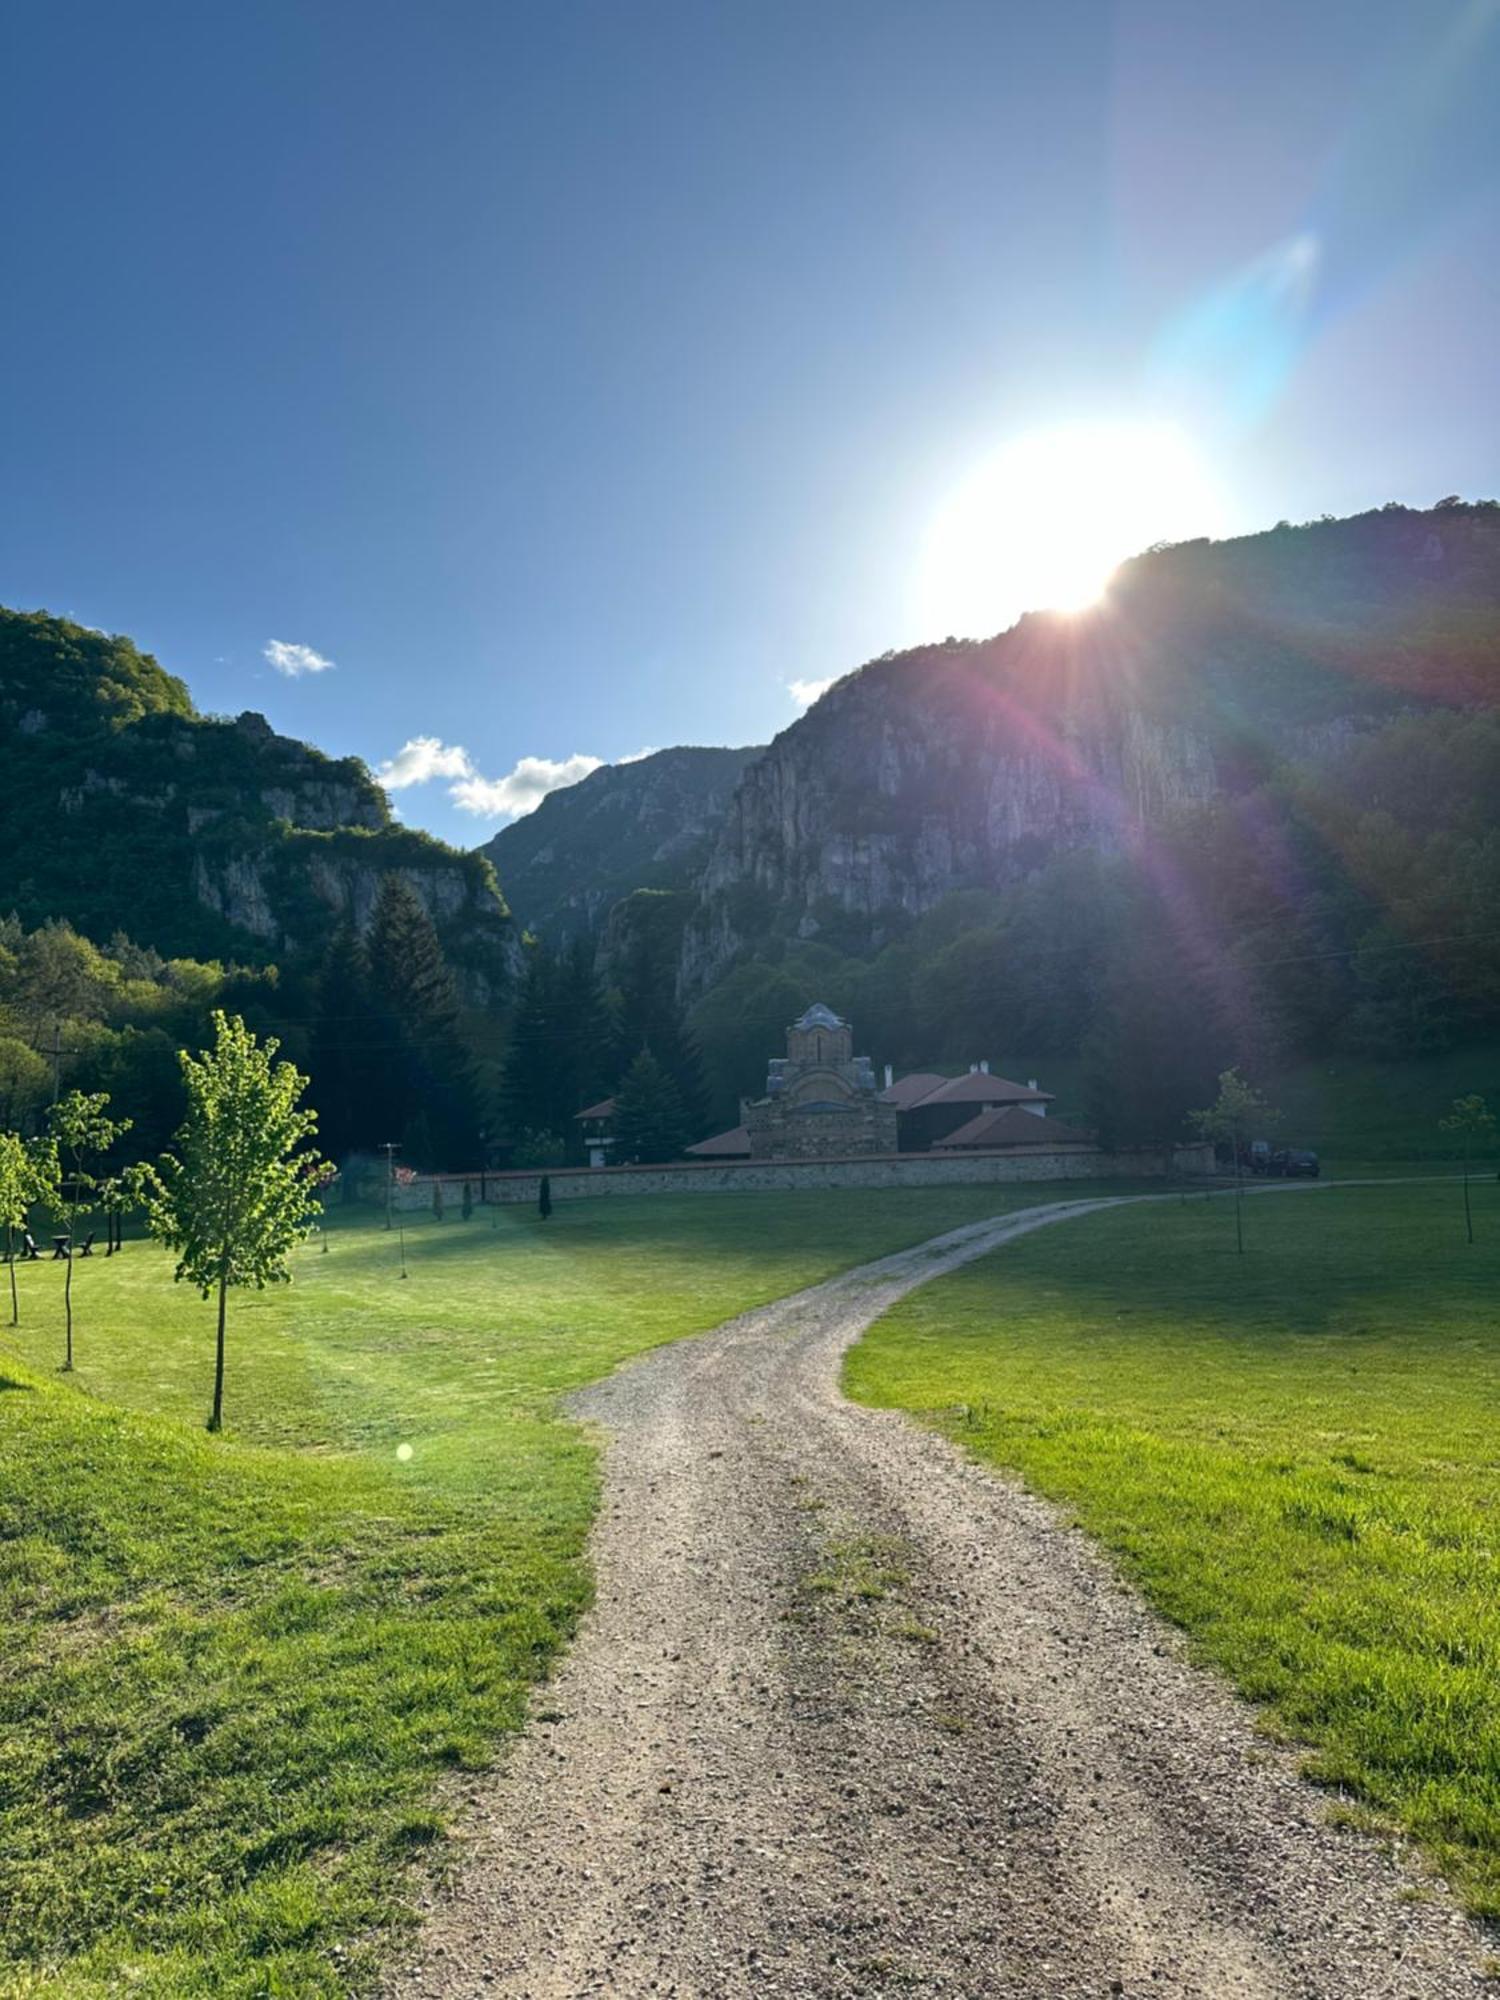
(644, 825)
(968, 765)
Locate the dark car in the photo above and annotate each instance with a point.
(1301, 1166)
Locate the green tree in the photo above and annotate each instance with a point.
(28, 1173)
(650, 1122)
(1472, 1123)
(24, 1081)
(346, 1060)
(431, 1097)
(239, 1191)
(1237, 1111)
(84, 1132)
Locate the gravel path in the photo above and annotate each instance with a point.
(853, 1716)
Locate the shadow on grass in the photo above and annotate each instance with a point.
(6, 1382)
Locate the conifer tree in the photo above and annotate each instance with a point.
(529, 1095)
(428, 1065)
(347, 1059)
(650, 1123)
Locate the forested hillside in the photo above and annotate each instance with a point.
(123, 808)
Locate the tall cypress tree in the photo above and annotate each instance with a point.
(432, 1080)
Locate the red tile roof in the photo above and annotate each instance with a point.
(732, 1145)
(1012, 1127)
(979, 1088)
(909, 1090)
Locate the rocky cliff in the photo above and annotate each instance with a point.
(968, 765)
(124, 809)
(643, 825)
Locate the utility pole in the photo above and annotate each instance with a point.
(390, 1149)
(56, 1060)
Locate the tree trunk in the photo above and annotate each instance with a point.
(216, 1418)
(1468, 1211)
(68, 1302)
(1239, 1197)
(15, 1297)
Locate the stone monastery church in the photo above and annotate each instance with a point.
(823, 1102)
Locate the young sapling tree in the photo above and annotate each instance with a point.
(239, 1191)
(1472, 1123)
(84, 1132)
(1234, 1114)
(28, 1173)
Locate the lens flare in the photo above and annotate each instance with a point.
(1044, 524)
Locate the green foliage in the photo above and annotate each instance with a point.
(429, 1090)
(1472, 1123)
(28, 1177)
(643, 941)
(560, 1058)
(1292, 1454)
(239, 1191)
(1237, 1114)
(83, 1132)
(650, 1122)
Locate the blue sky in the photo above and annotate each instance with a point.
(578, 379)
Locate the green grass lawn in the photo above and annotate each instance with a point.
(234, 1672)
(1296, 1453)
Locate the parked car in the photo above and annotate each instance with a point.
(1301, 1165)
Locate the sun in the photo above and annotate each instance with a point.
(1045, 522)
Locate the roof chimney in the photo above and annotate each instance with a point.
(1031, 1083)
(984, 1067)
(973, 1069)
(890, 1076)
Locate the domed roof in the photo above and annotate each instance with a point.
(819, 1016)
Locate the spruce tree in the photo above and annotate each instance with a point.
(529, 1094)
(432, 1091)
(348, 1062)
(650, 1123)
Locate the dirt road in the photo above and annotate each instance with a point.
(852, 1716)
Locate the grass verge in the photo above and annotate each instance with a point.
(1295, 1454)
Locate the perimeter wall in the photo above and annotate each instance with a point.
(897, 1170)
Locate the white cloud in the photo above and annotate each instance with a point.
(294, 661)
(805, 693)
(422, 758)
(522, 788)
(638, 756)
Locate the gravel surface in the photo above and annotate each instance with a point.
(854, 1716)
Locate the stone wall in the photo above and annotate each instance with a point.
(739, 1176)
